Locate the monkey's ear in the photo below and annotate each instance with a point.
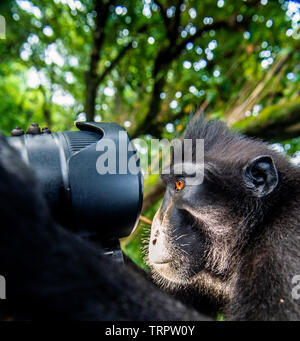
(261, 175)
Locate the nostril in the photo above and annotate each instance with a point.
(154, 241)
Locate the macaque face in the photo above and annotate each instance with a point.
(187, 229)
(201, 231)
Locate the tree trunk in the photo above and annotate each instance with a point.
(150, 120)
(90, 97)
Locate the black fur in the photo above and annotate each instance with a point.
(52, 274)
(227, 240)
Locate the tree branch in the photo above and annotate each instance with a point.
(277, 122)
(102, 11)
(163, 14)
(119, 57)
(178, 15)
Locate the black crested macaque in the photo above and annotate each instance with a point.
(235, 238)
(52, 274)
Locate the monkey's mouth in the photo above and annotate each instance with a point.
(168, 270)
(165, 270)
(172, 272)
(164, 262)
(162, 267)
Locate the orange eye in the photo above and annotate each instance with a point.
(179, 185)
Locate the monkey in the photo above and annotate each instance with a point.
(52, 274)
(234, 238)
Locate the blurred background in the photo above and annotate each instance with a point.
(150, 66)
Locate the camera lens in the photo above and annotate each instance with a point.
(82, 197)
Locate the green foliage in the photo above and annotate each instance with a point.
(220, 317)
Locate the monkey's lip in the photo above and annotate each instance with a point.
(164, 270)
(163, 262)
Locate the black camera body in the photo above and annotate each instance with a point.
(100, 207)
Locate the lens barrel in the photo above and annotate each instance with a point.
(82, 197)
